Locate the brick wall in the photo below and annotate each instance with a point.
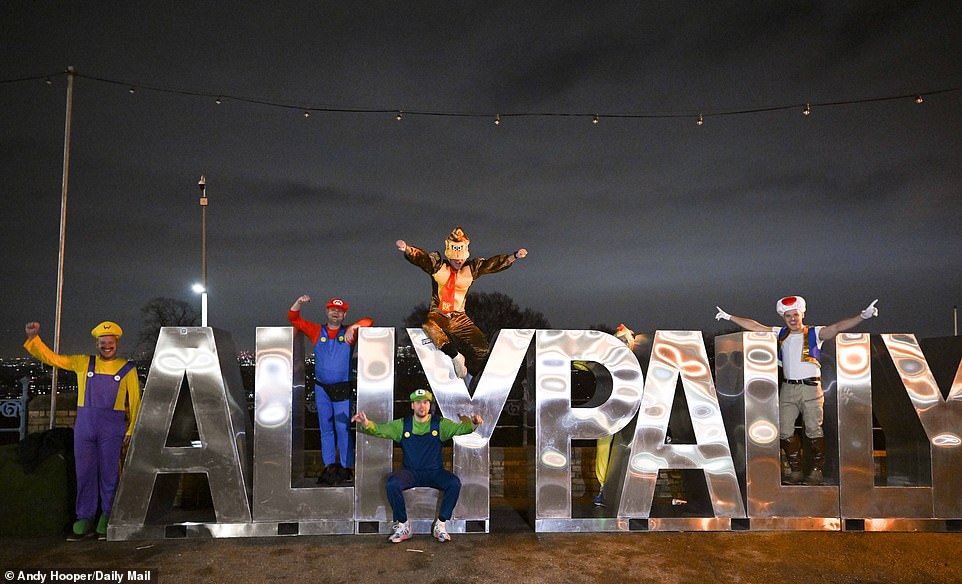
(38, 412)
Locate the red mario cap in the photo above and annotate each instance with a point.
(337, 303)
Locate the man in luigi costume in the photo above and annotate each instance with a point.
(420, 436)
(108, 399)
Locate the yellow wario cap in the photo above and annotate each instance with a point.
(107, 328)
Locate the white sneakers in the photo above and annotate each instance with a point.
(460, 369)
(440, 532)
(402, 531)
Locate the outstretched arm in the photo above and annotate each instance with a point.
(311, 329)
(829, 332)
(508, 259)
(746, 323)
(302, 300)
(36, 347)
(466, 425)
(476, 420)
(428, 262)
(497, 263)
(391, 430)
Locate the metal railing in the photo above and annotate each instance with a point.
(13, 408)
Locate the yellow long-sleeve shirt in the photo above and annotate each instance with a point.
(128, 396)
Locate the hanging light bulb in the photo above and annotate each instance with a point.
(399, 115)
(807, 111)
(48, 81)
(918, 99)
(497, 119)
(218, 100)
(595, 120)
(307, 114)
(701, 120)
(132, 90)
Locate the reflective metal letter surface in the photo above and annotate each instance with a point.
(748, 360)
(558, 422)
(922, 469)
(472, 461)
(375, 397)
(205, 359)
(675, 353)
(279, 445)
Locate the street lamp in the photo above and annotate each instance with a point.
(199, 289)
(202, 287)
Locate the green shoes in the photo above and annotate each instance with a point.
(102, 526)
(82, 529)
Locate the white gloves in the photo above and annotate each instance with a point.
(870, 310)
(722, 315)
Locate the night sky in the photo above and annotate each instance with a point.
(651, 221)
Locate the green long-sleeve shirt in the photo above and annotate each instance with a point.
(392, 430)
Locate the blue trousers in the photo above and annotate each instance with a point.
(334, 421)
(447, 482)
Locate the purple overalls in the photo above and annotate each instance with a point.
(98, 439)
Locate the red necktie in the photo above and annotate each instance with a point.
(447, 296)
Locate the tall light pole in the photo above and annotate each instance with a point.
(202, 183)
(63, 237)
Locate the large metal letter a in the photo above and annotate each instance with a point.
(162, 447)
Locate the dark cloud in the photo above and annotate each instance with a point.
(645, 221)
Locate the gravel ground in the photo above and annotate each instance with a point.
(512, 553)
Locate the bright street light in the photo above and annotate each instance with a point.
(202, 184)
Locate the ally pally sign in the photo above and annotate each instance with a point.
(256, 474)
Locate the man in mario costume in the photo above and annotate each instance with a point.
(799, 351)
(420, 436)
(451, 277)
(333, 390)
(108, 399)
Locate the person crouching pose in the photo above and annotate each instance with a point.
(420, 436)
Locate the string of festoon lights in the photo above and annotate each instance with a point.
(399, 114)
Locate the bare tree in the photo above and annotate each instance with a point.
(160, 312)
(603, 327)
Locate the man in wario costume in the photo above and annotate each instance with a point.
(451, 277)
(108, 399)
(420, 436)
(799, 351)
